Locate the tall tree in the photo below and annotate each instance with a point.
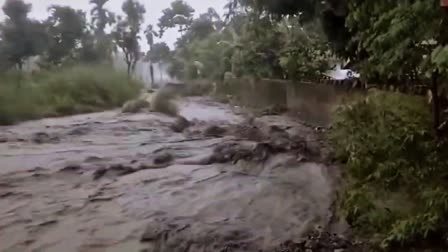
(150, 34)
(179, 15)
(21, 37)
(159, 53)
(66, 27)
(127, 30)
(401, 40)
(101, 19)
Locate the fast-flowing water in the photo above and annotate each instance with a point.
(119, 182)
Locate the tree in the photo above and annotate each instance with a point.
(66, 27)
(403, 41)
(202, 27)
(126, 33)
(159, 53)
(20, 37)
(180, 15)
(305, 54)
(150, 34)
(101, 19)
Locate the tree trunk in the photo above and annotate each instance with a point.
(19, 74)
(151, 72)
(435, 101)
(129, 70)
(160, 72)
(133, 65)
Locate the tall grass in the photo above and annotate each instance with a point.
(64, 92)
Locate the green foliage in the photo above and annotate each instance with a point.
(395, 168)
(160, 52)
(260, 54)
(126, 32)
(150, 34)
(306, 55)
(100, 44)
(135, 12)
(66, 28)
(180, 14)
(20, 37)
(63, 92)
(16, 10)
(205, 58)
(397, 37)
(101, 17)
(252, 44)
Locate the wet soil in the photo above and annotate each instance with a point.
(119, 182)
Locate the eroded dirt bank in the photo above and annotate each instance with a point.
(117, 182)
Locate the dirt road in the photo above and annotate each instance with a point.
(118, 182)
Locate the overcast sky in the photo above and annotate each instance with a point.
(153, 10)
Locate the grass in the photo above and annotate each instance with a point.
(63, 92)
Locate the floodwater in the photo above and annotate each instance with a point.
(126, 182)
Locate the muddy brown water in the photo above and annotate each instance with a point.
(89, 183)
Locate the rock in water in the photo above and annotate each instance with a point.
(79, 131)
(180, 124)
(44, 138)
(135, 106)
(163, 158)
(214, 131)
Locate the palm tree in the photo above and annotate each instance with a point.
(150, 34)
(231, 7)
(100, 16)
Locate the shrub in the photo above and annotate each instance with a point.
(17, 104)
(397, 188)
(64, 92)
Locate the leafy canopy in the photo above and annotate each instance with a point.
(20, 36)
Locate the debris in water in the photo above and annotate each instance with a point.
(163, 158)
(99, 173)
(3, 139)
(44, 138)
(214, 131)
(180, 124)
(79, 131)
(71, 168)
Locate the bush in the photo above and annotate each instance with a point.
(18, 104)
(64, 92)
(397, 187)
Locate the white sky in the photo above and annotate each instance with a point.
(153, 11)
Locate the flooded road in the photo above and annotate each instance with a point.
(127, 182)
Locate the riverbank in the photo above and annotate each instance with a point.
(60, 92)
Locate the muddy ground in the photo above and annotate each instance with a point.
(133, 182)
